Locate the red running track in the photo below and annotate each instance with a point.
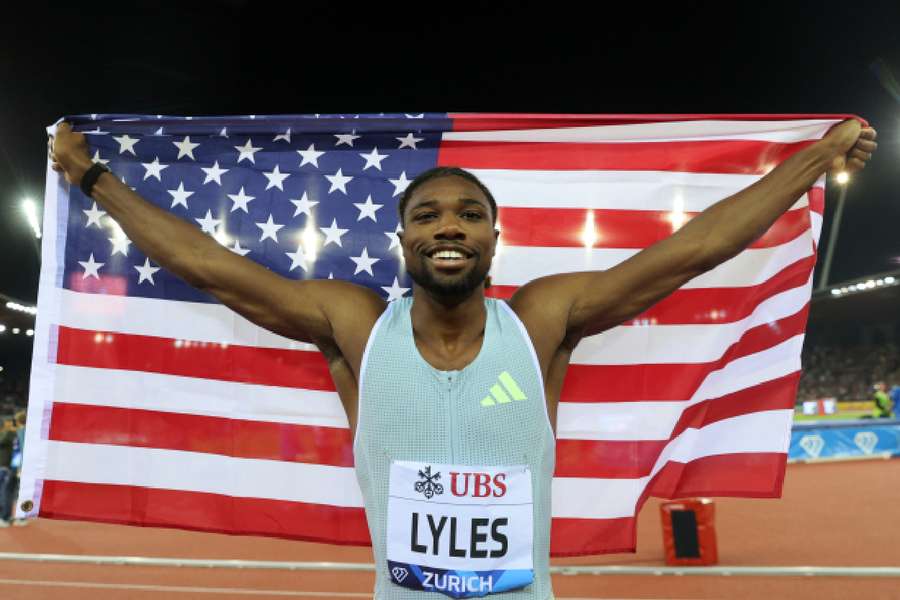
(839, 514)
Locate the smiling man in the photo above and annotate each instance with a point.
(452, 395)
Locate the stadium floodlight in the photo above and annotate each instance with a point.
(2, 328)
(16, 330)
(842, 178)
(889, 279)
(31, 310)
(879, 282)
(835, 292)
(30, 209)
(29, 332)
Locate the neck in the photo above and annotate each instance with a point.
(448, 320)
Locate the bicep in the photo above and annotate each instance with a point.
(304, 310)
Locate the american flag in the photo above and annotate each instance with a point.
(159, 406)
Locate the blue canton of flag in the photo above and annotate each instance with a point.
(287, 192)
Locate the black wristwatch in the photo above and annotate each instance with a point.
(91, 176)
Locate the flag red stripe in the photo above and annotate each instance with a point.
(751, 474)
(707, 306)
(238, 438)
(623, 383)
(245, 364)
(719, 156)
(564, 227)
(503, 122)
(816, 197)
(631, 459)
(151, 507)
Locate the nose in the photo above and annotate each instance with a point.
(449, 229)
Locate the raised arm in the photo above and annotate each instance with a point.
(303, 310)
(579, 304)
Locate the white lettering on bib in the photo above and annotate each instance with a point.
(463, 531)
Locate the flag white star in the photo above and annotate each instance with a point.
(240, 201)
(145, 273)
(367, 209)
(154, 169)
(159, 132)
(237, 248)
(373, 159)
(126, 144)
(180, 196)
(93, 215)
(286, 136)
(333, 234)
(364, 262)
(120, 244)
(400, 184)
(214, 173)
(418, 116)
(409, 141)
(224, 133)
(339, 181)
(269, 230)
(298, 258)
(276, 178)
(310, 156)
(91, 267)
(247, 151)
(345, 138)
(96, 158)
(395, 239)
(186, 148)
(304, 204)
(208, 224)
(394, 291)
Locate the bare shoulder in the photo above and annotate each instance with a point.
(352, 311)
(543, 305)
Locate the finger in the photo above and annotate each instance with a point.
(854, 164)
(56, 167)
(866, 145)
(868, 133)
(860, 154)
(64, 125)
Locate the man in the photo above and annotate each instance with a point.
(7, 442)
(882, 408)
(456, 479)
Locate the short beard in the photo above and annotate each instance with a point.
(458, 289)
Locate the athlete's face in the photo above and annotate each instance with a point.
(448, 237)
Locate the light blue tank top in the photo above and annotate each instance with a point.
(492, 412)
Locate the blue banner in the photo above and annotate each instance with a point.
(848, 439)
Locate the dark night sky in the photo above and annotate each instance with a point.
(241, 57)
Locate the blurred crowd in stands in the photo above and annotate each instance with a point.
(13, 398)
(848, 373)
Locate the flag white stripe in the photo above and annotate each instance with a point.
(195, 396)
(201, 472)
(653, 344)
(621, 190)
(648, 420)
(517, 265)
(615, 190)
(668, 131)
(665, 344)
(577, 497)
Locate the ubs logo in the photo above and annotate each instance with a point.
(429, 486)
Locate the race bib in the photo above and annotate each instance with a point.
(460, 530)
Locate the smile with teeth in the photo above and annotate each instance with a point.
(448, 257)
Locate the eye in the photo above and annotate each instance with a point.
(473, 215)
(424, 216)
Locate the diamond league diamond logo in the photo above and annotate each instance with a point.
(399, 574)
(812, 444)
(866, 441)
